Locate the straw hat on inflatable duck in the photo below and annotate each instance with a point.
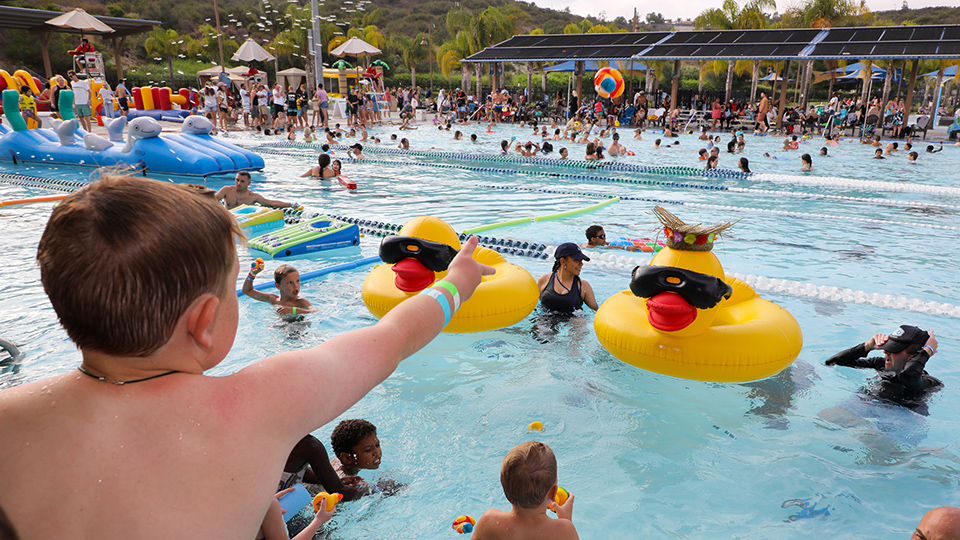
(684, 317)
(418, 256)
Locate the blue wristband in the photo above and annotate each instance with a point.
(442, 300)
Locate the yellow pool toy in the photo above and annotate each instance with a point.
(255, 220)
(502, 299)
(742, 337)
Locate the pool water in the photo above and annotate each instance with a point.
(797, 455)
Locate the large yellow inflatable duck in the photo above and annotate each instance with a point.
(418, 256)
(684, 317)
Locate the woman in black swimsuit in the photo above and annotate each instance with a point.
(562, 290)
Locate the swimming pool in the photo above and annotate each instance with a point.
(797, 455)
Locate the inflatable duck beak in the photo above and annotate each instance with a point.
(412, 275)
(669, 312)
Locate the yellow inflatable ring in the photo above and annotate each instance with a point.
(502, 299)
(743, 338)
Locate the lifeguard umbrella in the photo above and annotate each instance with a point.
(251, 51)
(355, 47)
(78, 19)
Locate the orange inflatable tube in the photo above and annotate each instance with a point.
(51, 198)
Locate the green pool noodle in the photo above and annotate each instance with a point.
(65, 104)
(577, 211)
(11, 109)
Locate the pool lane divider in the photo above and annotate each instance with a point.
(724, 207)
(57, 184)
(558, 215)
(631, 167)
(664, 183)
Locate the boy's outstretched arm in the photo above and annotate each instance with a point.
(247, 287)
(313, 386)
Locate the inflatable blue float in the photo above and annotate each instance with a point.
(137, 144)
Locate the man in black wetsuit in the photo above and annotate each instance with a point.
(902, 379)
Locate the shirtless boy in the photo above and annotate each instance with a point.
(287, 280)
(172, 453)
(529, 479)
(240, 193)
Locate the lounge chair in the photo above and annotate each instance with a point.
(923, 124)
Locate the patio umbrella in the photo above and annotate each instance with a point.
(380, 63)
(355, 47)
(78, 19)
(342, 64)
(251, 51)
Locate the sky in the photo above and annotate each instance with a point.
(689, 8)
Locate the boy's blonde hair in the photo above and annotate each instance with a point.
(122, 258)
(528, 473)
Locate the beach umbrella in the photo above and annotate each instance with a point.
(78, 19)
(251, 51)
(355, 47)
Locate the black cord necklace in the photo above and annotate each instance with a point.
(121, 383)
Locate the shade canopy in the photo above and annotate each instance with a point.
(78, 19)
(251, 51)
(355, 47)
(773, 77)
(625, 66)
(947, 72)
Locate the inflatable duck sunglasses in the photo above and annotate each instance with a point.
(699, 290)
(433, 255)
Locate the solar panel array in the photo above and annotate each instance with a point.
(881, 42)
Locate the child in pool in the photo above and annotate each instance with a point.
(170, 427)
(356, 447)
(287, 280)
(528, 475)
(322, 169)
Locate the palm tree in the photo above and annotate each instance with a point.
(411, 51)
(451, 53)
(167, 43)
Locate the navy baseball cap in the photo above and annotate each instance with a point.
(569, 249)
(903, 337)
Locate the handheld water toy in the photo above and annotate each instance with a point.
(257, 265)
(464, 524)
(608, 82)
(560, 498)
(420, 257)
(346, 182)
(535, 426)
(684, 317)
(330, 499)
(256, 220)
(308, 236)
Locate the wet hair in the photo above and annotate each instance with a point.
(823, 151)
(528, 473)
(244, 173)
(806, 159)
(914, 155)
(547, 148)
(157, 264)
(348, 434)
(504, 144)
(744, 164)
(357, 146)
(323, 160)
(592, 231)
(281, 272)
(657, 142)
(473, 136)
